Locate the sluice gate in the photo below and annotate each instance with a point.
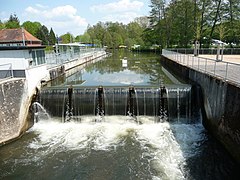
(170, 102)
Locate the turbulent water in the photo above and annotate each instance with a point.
(116, 148)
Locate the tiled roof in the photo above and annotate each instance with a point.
(16, 35)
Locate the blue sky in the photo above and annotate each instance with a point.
(73, 15)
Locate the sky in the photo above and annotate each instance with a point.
(73, 16)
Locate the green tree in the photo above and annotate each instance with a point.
(143, 21)
(90, 31)
(13, 22)
(116, 40)
(157, 11)
(32, 27)
(2, 25)
(43, 34)
(52, 37)
(232, 18)
(107, 40)
(85, 38)
(99, 31)
(67, 38)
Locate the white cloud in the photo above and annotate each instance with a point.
(61, 18)
(32, 10)
(125, 17)
(61, 11)
(120, 6)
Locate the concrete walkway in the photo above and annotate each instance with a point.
(227, 58)
(227, 70)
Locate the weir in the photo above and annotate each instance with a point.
(165, 103)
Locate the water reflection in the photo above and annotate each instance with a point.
(122, 68)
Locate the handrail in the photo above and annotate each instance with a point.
(8, 69)
(213, 50)
(54, 59)
(227, 71)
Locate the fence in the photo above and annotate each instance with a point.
(54, 59)
(6, 71)
(213, 51)
(227, 71)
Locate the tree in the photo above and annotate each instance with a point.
(157, 11)
(90, 31)
(67, 38)
(107, 39)
(85, 38)
(2, 25)
(232, 17)
(13, 22)
(52, 37)
(216, 14)
(99, 31)
(43, 34)
(116, 40)
(32, 27)
(143, 21)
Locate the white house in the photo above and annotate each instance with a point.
(22, 55)
(19, 52)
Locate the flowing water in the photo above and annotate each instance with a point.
(116, 144)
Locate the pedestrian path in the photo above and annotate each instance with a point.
(228, 70)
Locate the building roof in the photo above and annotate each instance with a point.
(17, 35)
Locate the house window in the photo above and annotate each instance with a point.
(34, 62)
(38, 57)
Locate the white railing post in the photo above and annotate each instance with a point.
(215, 67)
(205, 65)
(226, 73)
(11, 70)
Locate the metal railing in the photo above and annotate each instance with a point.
(6, 71)
(54, 59)
(212, 51)
(227, 71)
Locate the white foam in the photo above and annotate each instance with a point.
(166, 145)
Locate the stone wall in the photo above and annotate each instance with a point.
(221, 101)
(11, 101)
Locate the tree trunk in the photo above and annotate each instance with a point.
(215, 20)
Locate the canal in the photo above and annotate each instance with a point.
(140, 145)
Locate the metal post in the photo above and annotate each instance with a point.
(205, 65)
(192, 60)
(215, 67)
(218, 52)
(198, 63)
(226, 71)
(11, 70)
(222, 53)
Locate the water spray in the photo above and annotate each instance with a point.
(69, 109)
(100, 109)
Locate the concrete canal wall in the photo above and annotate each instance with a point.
(14, 105)
(221, 101)
(17, 95)
(63, 68)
